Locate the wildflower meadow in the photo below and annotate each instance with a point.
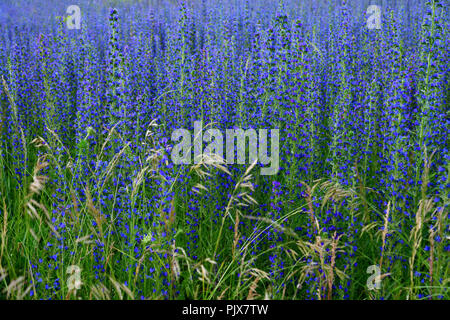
(224, 150)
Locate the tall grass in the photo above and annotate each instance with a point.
(88, 187)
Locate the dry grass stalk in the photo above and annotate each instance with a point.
(75, 212)
(362, 194)
(3, 274)
(275, 225)
(137, 181)
(330, 279)
(207, 161)
(220, 297)
(236, 232)
(239, 198)
(309, 199)
(384, 233)
(39, 142)
(425, 206)
(426, 173)
(17, 288)
(318, 251)
(108, 138)
(431, 260)
(204, 274)
(335, 192)
(4, 230)
(84, 239)
(96, 214)
(35, 188)
(112, 164)
(38, 180)
(11, 101)
(100, 292)
(119, 287)
(67, 151)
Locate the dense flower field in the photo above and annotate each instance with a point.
(93, 206)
